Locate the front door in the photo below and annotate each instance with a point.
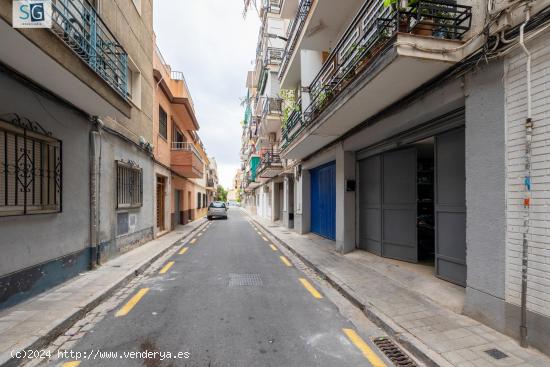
(323, 200)
(399, 205)
(177, 207)
(160, 203)
(450, 207)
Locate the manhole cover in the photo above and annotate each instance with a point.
(245, 280)
(394, 353)
(496, 354)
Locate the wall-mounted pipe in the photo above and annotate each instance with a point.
(95, 189)
(527, 198)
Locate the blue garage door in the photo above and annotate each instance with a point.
(323, 200)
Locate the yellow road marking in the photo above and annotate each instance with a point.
(364, 348)
(193, 241)
(183, 250)
(166, 267)
(265, 239)
(307, 285)
(273, 247)
(285, 261)
(71, 364)
(131, 303)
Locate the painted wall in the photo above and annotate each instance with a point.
(48, 248)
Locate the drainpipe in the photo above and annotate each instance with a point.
(95, 181)
(527, 199)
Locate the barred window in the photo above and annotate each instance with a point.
(30, 170)
(129, 185)
(204, 200)
(199, 200)
(163, 123)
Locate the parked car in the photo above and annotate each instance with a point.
(217, 209)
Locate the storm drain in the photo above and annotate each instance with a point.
(393, 352)
(245, 280)
(496, 354)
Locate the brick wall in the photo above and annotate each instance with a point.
(516, 110)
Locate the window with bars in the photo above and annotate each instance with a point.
(199, 200)
(204, 200)
(163, 123)
(129, 185)
(30, 171)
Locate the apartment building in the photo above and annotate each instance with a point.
(212, 181)
(75, 134)
(416, 131)
(183, 172)
(262, 122)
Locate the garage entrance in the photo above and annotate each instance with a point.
(323, 200)
(412, 204)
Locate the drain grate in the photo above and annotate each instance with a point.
(245, 280)
(496, 354)
(394, 353)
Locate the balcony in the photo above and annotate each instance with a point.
(80, 27)
(374, 62)
(270, 165)
(186, 160)
(273, 56)
(271, 116)
(294, 32)
(271, 6)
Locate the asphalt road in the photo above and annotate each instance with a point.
(228, 300)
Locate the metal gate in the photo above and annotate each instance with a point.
(323, 200)
(450, 207)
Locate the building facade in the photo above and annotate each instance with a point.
(416, 132)
(183, 171)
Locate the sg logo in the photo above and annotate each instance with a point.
(32, 13)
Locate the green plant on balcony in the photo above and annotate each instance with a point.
(289, 105)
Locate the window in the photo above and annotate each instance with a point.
(30, 170)
(163, 123)
(129, 185)
(199, 200)
(134, 83)
(204, 200)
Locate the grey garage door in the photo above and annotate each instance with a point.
(450, 207)
(388, 204)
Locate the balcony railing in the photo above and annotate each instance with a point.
(272, 6)
(272, 106)
(292, 125)
(294, 33)
(370, 33)
(273, 56)
(77, 23)
(187, 146)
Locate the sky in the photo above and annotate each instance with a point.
(214, 47)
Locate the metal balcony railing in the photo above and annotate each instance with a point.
(272, 6)
(294, 119)
(273, 56)
(272, 106)
(369, 34)
(77, 23)
(294, 32)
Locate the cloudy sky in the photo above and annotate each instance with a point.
(211, 43)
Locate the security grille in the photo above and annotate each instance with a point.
(129, 185)
(245, 280)
(30, 169)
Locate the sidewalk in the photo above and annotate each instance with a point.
(433, 333)
(34, 323)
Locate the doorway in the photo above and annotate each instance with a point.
(161, 195)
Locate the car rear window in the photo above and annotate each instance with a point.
(217, 205)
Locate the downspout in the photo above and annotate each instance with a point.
(527, 198)
(95, 180)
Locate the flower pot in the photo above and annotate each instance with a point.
(424, 28)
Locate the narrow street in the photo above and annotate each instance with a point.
(227, 298)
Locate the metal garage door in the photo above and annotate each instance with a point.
(323, 200)
(450, 207)
(388, 204)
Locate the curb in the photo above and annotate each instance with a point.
(66, 324)
(407, 340)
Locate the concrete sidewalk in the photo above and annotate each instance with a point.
(434, 334)
(32, 324)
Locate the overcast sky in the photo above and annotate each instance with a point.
(211, 43)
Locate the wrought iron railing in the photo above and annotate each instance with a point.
(77, 23)
(272, 6)
(186, 146)
(294, 119)
(272, 106)
(269, 158)
(294, 33)
(273, 56)
(369, 34)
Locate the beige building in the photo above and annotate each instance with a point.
(76, 104)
